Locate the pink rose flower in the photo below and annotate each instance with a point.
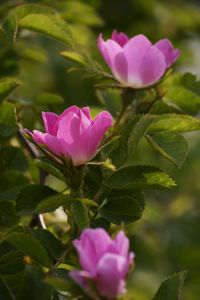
(136, 62)
(104, 261)
(73, 133)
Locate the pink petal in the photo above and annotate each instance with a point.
(50, 122)
(101, 123)
(171, 54)
(120, 68)
(71, 133)
(81, 278)
(120, 245)
(91, 246)
(108, 49)
(152, 67)
(139, 42)
(86, 111)
(72, 108)
(145, 64)
(111, 272)
(49, 140)
(121, 38)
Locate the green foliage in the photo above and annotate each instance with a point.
(80, 214)
(49, 99)
(30, 196)
(52, 202)
(32, 286)
(50, 25)
(170, 288)
(13, 158)
(175, 122)
(5, 291)
(184, 91)
(140, 177)
(7, 119)
(53, 246)
(121, 209)
(11, 184)
(7, 85)
(111, 99)
(30, 246)
(111, 190)
(131, 136)
(170, 145)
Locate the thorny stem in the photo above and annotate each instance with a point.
(37, 219)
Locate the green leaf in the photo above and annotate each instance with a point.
(51, 203)
(184, 91)
(5, 292)
(63, 285)
(49, 167)
(131, 136)
(49, 241)
(77, 57)
(171, 145)
(30, 196)
(70, 10)
(8, 215)
(100, 222)
(140, 177)
(49, 99)
(31, 247)
(7, 85)
(7, 119)
(111, 99)
(121, 209)
(32, 286)
(52, 26)
(13, 158)
(25, 9)
(175, 122)
(80, 214)
(171, 287)
(3, 37)
(11, 263)
(11, 184)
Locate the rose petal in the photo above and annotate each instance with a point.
(81, 278)
(108, 49)
(121, 38)
(111, 272)
(49, 140)
(71, 133)
(86, 111)
(91, 246)
(120, 68)
(72, 108)
(50, 122)
(171, 54)
(96, 131)
(120, 245)
(152, 67)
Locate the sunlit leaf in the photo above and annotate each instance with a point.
(140, 177)
(171, 145)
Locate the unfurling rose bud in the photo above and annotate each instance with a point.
(105, 262)
(136, 62)
(73, 133)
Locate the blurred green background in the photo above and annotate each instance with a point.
(167, 238)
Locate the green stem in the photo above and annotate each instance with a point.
(127, 99)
